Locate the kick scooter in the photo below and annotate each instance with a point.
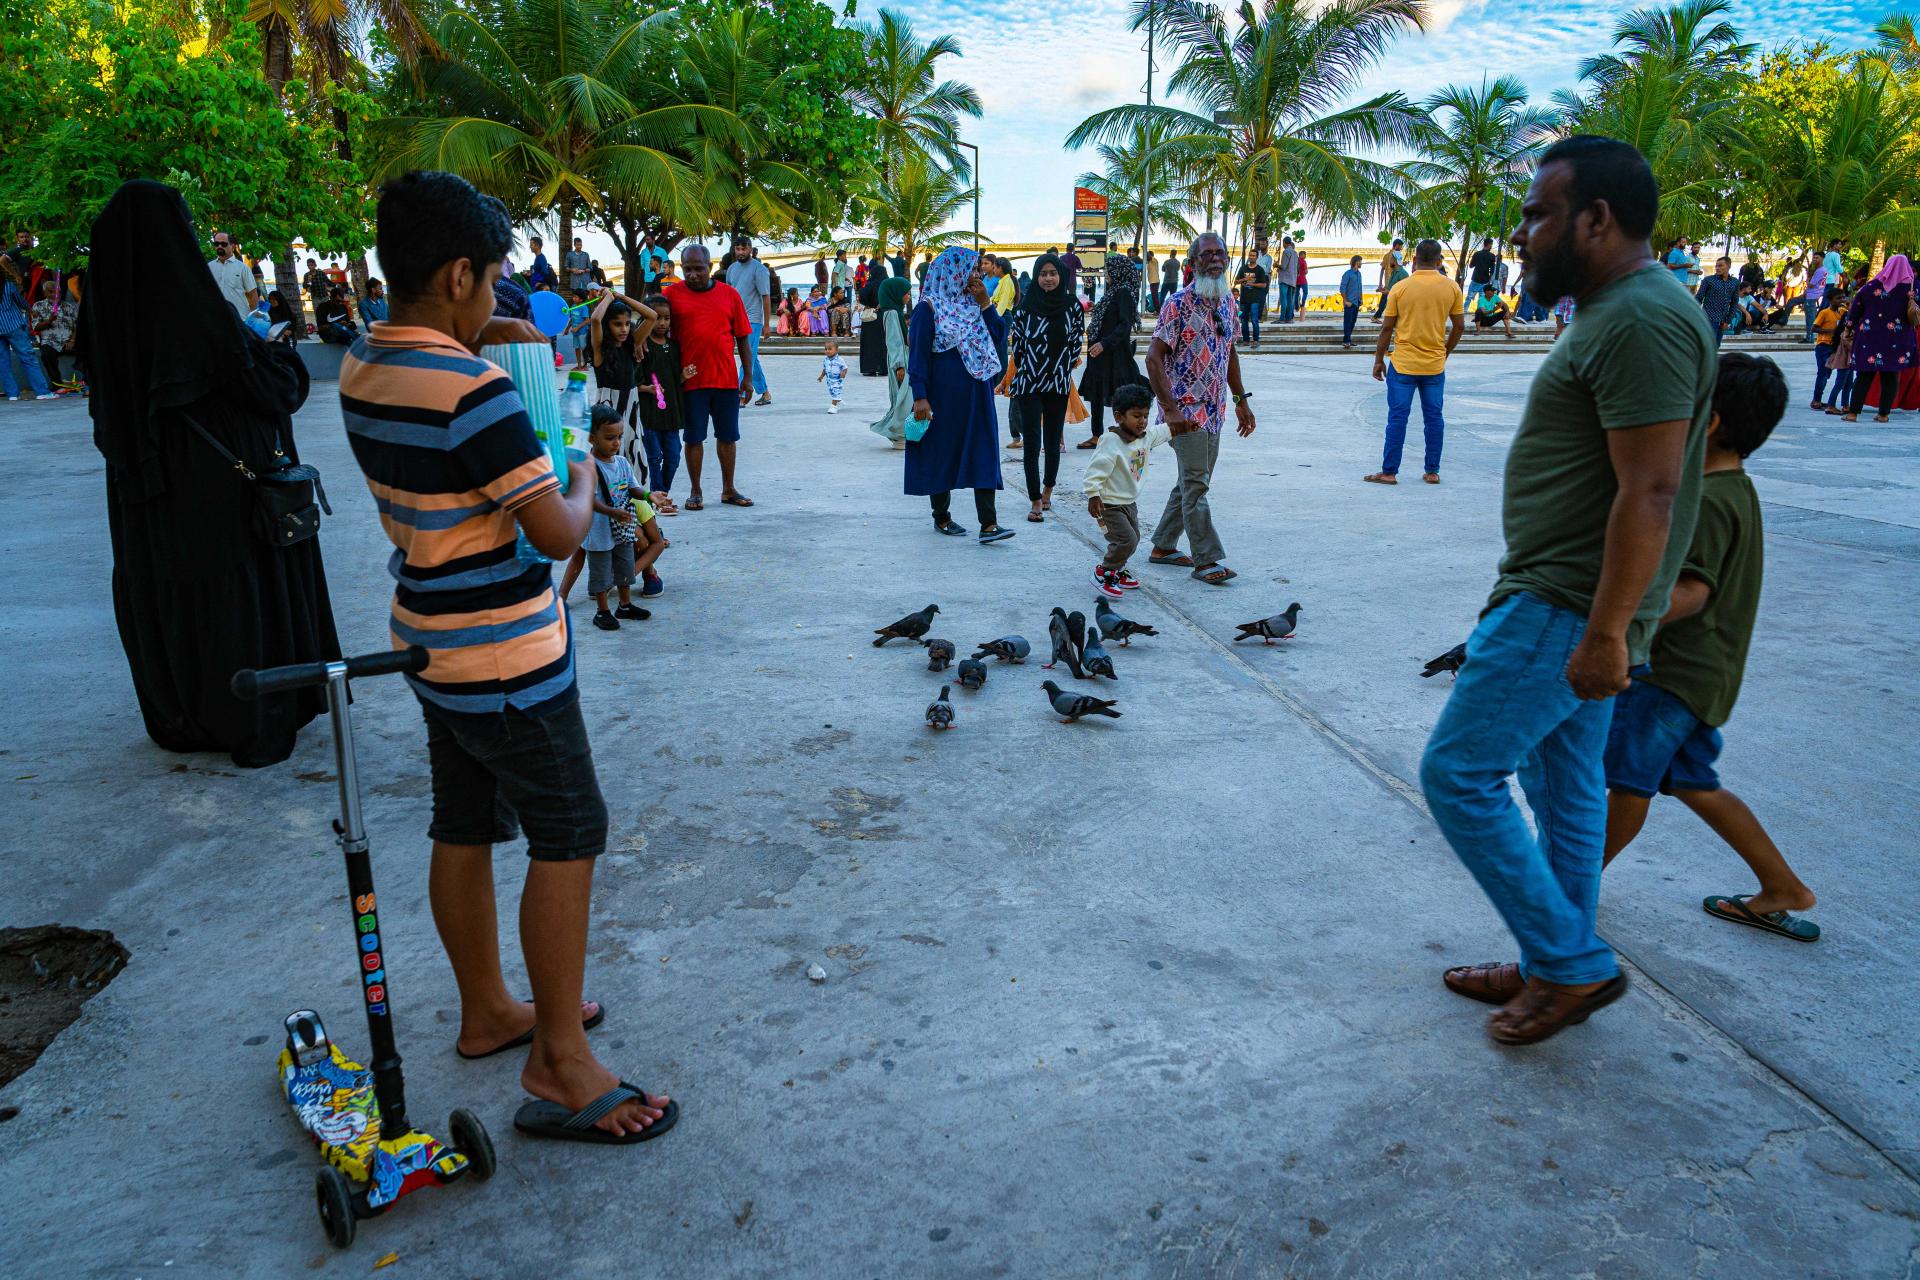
(358, 1115)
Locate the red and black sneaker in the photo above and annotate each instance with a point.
(1126, 581)
(1106, 583)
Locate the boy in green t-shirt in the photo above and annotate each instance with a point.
(1666, 726)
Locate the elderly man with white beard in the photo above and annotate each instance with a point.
(1191, 366)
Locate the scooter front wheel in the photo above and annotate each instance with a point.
(335, 1199)
(470, 1140)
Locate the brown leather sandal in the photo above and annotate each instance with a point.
(1543, 1010)
(1494, 983)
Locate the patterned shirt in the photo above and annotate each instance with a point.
(450, 455)
(1200, 345)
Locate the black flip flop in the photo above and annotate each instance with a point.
(543, 1119)
(522, 1041)
(1733, 908)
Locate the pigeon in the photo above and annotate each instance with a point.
(911, 627)
(940, 711)
(1115, 627)
(939, 654)
(1074, 705)
(1077, 629)
(1006, 648)
(1064, 648)
(1452, 660)
(973, 673)
(1278, 627)
(1098, 661)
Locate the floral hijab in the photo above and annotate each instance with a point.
(1123, 278)
(956, 317)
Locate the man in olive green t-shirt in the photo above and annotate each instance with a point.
(1602, 487)
(1425, 318)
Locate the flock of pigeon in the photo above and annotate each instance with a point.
(1073, 642)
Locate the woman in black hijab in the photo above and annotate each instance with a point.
(873, 337)
(1110, 363)
(197, 593)
(1044, 342)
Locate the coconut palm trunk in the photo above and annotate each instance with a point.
(276, 40)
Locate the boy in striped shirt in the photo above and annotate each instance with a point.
(455, 469)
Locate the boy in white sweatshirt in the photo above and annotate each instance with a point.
(1112, 483)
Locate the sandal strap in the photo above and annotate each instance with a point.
(589, 1115)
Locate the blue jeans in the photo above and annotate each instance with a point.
(1529, 310)
(1349, 314)
(1512, 710)
(663, 457)
(1286, 303)
(1822, 373)
(1250, 308)
(1401, 387)
(753, 347)
(20, 344)
(1842, 387)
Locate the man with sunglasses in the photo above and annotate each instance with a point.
(1191, 366)
(234, 276)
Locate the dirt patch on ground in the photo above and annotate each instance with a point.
(46, 974)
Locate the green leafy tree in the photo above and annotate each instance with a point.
(1266, 101)
(543, 103)
(909, 212)
(1124, 170)
(120, 92)
(1852, 170)
(1478, 149)
(916, 112)
(1694, 37)
(1897, 43)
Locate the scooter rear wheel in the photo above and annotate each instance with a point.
(470, 1140)
(335, 1198)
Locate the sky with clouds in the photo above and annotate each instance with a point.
(1041, 69)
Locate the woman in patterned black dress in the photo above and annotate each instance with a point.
(1044, 342)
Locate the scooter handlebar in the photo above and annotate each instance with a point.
(250, 684)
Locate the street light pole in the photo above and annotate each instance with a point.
(976, 191)
(1146, 137)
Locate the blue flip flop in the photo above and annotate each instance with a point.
(543, 1119)
(1734, 908)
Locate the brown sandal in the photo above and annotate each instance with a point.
(1543, 1010)
(1380, 477)
(1488, 983)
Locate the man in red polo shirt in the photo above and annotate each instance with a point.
(710, 323)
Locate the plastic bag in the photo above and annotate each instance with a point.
(530, 367)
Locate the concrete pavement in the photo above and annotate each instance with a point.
(1151, 997)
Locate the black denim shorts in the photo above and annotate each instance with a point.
(497, 774)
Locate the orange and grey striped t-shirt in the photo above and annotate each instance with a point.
(449, 454)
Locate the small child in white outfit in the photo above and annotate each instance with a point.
(1112, 483)
(833, 372)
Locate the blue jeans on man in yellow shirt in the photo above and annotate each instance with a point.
(1401, 388)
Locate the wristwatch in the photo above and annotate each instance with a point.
(1243, 395)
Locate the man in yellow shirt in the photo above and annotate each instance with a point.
(1425, 317)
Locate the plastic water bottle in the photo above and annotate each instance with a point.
(573, 408)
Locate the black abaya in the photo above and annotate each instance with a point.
(197, 594)
(873, 333)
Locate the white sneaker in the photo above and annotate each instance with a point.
(48, 396)
(833, 408)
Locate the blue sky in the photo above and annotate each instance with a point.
(1041, 69)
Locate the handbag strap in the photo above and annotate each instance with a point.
(221, 449)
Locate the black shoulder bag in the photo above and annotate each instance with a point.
(287, 497)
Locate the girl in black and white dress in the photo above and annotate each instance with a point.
(1043, 341)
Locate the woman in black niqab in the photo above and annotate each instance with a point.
(873, 335)
(197, 593)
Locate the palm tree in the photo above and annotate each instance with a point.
(1123, 170)
(541, 104)
(1851, 172)
(733, 64)
(916, 114)
(1898, 43)
(1478, 148)
(912, 207)
(1679, 37)
(1266, 101)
